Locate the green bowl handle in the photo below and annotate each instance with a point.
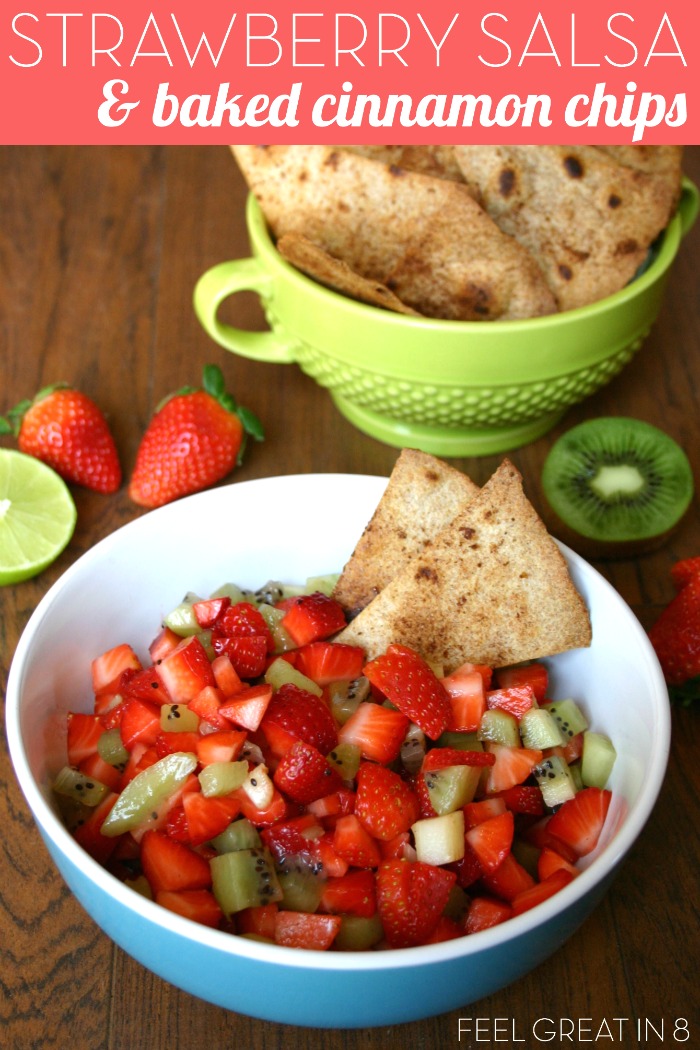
(216, 285)
(689, 205)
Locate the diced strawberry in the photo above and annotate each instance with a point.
(535, 675)
(88, 834)
(513, 765)
(225, 745)
(312, 618)
(508, 880)
(332, 864)
(398, 848)
(539, 835)
(441, 757)
(412, 686)
(465, 688)
(541, 891)
(352, 841)
(411, 897)
(107, 668)
(378, 731)
(262, 818)
(209, 611)
(207, 704)
(164, 642)
(486, 808)
(208, 817)
(351, 894)
(244, 620)
(336, 804)
(515, 699)
(170, 865)
(186, 670)
(579, 821)
(84, 732)
(146, 684)
(299, 929)
(139, 722)
(446, 930)
(259, 920)
(467, 868)
(170, 743)
(550, 861)
(247, 653)
(571, 751)
(305, 774)
(492, 840)
(95, 766)
(299, 715)
(247, 708)
(384, 802)
(682, 572)
(485, 912)
(524, 799)
(420, 787)
(198, 905)
(296, 836)
(326, 662)
(227, 681)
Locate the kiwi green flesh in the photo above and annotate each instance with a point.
(618, 480)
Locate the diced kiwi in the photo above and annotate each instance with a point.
(440, 840)
(244, 878)
(460, 741)
(345, 697)
(140, 800)
(177, 718)
(280, 672)
(568, 716)
(80, 787)
(302, 883)
(325, 584)
(273, 618)
(616, 480)
(554, 778)
(182, 620)
(234, 592)
(240, 834)
(358, 934)
(539, 730)
(345, 757)
(499, 727)
(597, 760)
(220, 778)
(111, 749)
(452, 787)
(526, 854)
(413, 749)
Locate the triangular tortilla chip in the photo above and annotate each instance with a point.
(422, 496)
(424, 238)
(493, 588)
(587, 219)
(312, 260)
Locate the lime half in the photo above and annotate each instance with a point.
(37, 516)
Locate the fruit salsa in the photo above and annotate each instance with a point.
(257, 777)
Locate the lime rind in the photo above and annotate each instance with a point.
(37, 516)
(573, 463)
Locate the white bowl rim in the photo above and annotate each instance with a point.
(395, 958)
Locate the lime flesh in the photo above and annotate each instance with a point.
(37, 516)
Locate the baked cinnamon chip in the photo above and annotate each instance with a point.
(492, 588)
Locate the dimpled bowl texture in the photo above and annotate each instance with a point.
(120, 590)
(447, 387)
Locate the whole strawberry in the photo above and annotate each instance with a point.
(676, 635)
(195, 438)
(65, 429)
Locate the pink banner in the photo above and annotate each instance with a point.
(122, 72)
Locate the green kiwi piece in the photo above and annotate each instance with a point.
(617, 480)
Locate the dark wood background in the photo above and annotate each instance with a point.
(99, 251)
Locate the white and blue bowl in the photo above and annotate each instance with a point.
(290, 528)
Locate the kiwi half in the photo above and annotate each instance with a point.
(618, 482)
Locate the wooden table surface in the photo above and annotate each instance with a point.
(99, 253)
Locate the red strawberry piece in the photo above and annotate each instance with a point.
(262, 818)
(146, 684)
(524, 799)
(89, 836)
(684, 571)
(579, 821)
(508, 880)
(535, 675)
(107, 668)
(294, 837)
(477, 812)
(208, 817)
(299, 715)
(676, 639)
(468, 869)
(207, 704)
(350, 894)
(446, 930)
(398, 848)
(227, 681)
(492, 840)
(352, 840)
(442, 757)
(197, 905)
(170, 865)
(84, 731)
(326, 662)
(412, 686)
(335, 805)
(550, 861)
(539, 835)
(243, 620)
(465, 688)
(411, 897)
(385, 803)
(65, 429)
(247, 708)
(209, 611)
(171, 743)
(247, 653)
(225, 745)
(541, 891)
(515, 699)
(377, 730)
(259, 920)
(513, 765)
(195, 438)
(140, 721)
(298, 929)
(186, 670)
(313, 617)
(304, 774)
(163, 643)
(485, 912)
(95, 766)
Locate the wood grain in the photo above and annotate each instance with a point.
(99, 253)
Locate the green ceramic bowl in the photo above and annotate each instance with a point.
(452, 388)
